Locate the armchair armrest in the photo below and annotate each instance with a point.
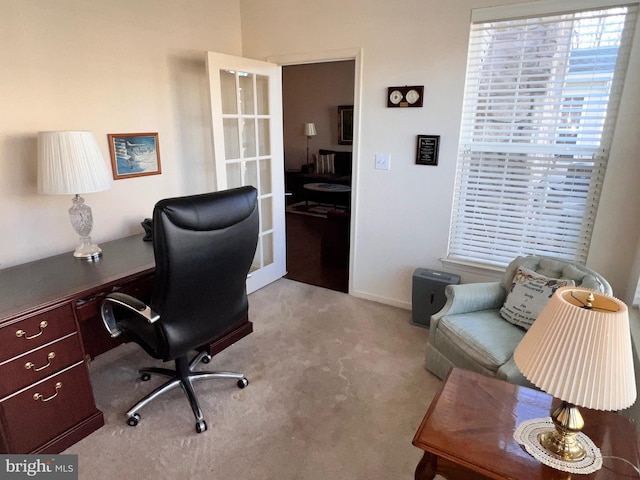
(471, 297)
(130, 303)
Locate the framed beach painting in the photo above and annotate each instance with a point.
(134, 154)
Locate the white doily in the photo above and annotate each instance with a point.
(527, 435)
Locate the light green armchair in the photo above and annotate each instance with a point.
(469, 331)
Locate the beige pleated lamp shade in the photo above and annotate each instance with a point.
(310, 129)
(579, 354)
(71, 163)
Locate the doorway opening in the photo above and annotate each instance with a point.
(318, 170)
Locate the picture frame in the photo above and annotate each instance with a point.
(345, 124)
(427, 150)
(134, 154)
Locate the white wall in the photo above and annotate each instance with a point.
(135, 66)
(402, 216)
(110, 67)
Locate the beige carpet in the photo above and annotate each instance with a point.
(337, 390)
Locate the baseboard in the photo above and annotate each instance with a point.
(380, 299)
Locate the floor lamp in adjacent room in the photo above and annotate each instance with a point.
(309, 131)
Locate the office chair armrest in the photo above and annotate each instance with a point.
(130, 303)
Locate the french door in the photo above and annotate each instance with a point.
(246, 109)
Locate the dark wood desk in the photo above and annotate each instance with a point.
(50, 328)
(467, 433)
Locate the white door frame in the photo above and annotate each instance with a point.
(337, 56)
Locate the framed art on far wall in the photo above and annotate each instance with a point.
(427, 149)
(345, 124)
(134, 154)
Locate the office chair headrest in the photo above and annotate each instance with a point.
(209, 211)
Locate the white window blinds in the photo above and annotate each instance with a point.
(540, 102)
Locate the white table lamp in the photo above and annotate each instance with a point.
(72, 163)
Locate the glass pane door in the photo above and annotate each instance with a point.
(246, 103)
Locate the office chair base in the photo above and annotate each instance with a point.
(182, 376)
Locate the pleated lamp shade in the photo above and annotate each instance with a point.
(71, 163)
(310, 129)
(581, 354)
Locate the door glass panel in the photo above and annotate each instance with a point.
(245, 81)
(267, 249)
(234, 175)
(264, 137)
(231, 139)
(265, 176)
(228, 91)
(266, 214)
(250, 174)
(249, 138)
(240, 174)
(262, 94)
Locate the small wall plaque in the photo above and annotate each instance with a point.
(427, 151)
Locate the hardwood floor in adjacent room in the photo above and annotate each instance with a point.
(304, 259)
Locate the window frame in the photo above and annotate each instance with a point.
(570, 183)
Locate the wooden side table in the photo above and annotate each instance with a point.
(467, 433)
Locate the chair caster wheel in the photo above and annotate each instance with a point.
(145, 377)
(243, 382)
(133, 420)
(201, 426)
(206, 359)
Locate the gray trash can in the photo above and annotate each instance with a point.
(427, 296)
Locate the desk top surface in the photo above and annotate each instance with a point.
(49, 280)
(472, 419)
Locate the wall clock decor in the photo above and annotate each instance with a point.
(405, 96)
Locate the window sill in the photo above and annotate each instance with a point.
(493, 272)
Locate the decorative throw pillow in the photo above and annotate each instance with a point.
(325, 163)
(331, 168)
(528, 295)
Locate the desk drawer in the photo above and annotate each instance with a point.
(33, 332)
(66, 400)
(95, 338)
(88, 308)
(42, 362)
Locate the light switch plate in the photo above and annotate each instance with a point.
(383, 161)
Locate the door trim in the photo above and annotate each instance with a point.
(336, 56)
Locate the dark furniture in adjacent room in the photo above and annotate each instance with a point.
(337, 170)
(204, 247)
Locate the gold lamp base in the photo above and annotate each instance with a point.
(563, 441)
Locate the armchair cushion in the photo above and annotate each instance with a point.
(528, 294)
(480, 338)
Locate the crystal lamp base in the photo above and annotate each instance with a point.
(82, 221)
(87, 250)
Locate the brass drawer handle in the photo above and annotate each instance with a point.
(38, 396)
(22, 333)
(30, 365)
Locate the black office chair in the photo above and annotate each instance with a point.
(204, 246)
